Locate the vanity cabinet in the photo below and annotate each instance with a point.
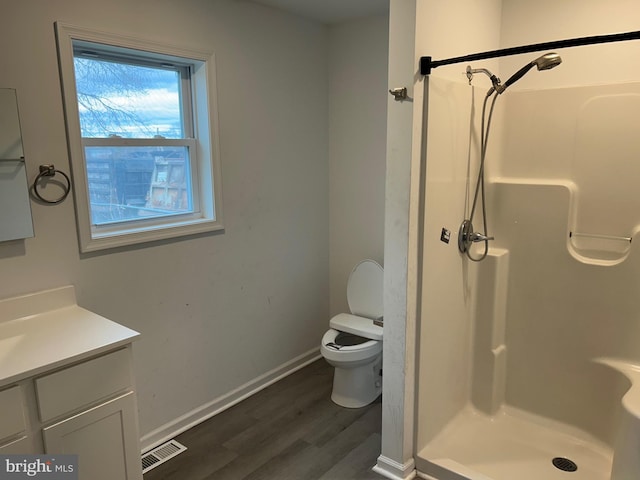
(67, 386)
(88, 409)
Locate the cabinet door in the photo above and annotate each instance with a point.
(21, 446)
(12, 421)
(105, 438)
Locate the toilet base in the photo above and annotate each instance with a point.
(359, 386)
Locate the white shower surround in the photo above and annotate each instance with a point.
(527, 330)
(448, 299)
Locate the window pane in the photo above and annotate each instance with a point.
(130, 101)
(134, 183)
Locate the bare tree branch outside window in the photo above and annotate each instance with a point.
(126, 100)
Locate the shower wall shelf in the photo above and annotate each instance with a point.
(597, 249)
(427, 63)
(603, 237)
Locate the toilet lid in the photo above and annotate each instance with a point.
(364, 289)
(361, 326)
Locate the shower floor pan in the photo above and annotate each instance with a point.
(512, 445)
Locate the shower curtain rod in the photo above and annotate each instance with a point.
(427, 64)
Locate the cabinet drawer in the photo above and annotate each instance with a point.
(12, 418)
(83, 384)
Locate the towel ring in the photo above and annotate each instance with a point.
(50, 171)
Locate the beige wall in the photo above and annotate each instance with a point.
(358, 52)
(215, 311)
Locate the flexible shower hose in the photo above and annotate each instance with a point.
(484, 139)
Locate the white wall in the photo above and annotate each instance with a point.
(396, 458)
(358, 53)
(447, 29)
(219, 310)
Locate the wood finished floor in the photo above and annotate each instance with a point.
(288, 431)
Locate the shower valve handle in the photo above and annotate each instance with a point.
(466, 236)
(478, 237)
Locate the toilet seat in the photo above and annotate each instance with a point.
(352, 353)
(365, 290)
(363, 327)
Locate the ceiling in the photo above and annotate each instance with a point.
(330, 11)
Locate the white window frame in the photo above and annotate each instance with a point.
(205, 167)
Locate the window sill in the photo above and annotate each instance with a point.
(119, 238)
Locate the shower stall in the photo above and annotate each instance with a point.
(528, 360)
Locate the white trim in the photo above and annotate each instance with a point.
(138, 142)
(401, 249)
(395, 471)
(204, 412)
(130, 42)
(425, 476)
(206, 168)
(163, 232)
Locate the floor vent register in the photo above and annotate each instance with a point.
(161, 454)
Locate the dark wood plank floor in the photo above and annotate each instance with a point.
(288, 431)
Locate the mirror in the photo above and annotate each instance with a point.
(15, 206)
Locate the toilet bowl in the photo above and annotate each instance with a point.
(353, 343)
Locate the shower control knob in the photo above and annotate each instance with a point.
(466, 236)
(479, 237)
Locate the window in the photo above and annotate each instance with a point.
(141, 132)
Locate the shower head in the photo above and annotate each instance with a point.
(548, 61)
(545, 62)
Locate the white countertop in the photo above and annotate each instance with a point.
(45, 330)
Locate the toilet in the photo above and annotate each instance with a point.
(353, 344)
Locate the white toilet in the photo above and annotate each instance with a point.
(353, 344)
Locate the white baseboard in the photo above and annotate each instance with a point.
(425, 476)
(204, 412)
(395, 471)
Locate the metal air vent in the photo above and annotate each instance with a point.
(161, 454)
